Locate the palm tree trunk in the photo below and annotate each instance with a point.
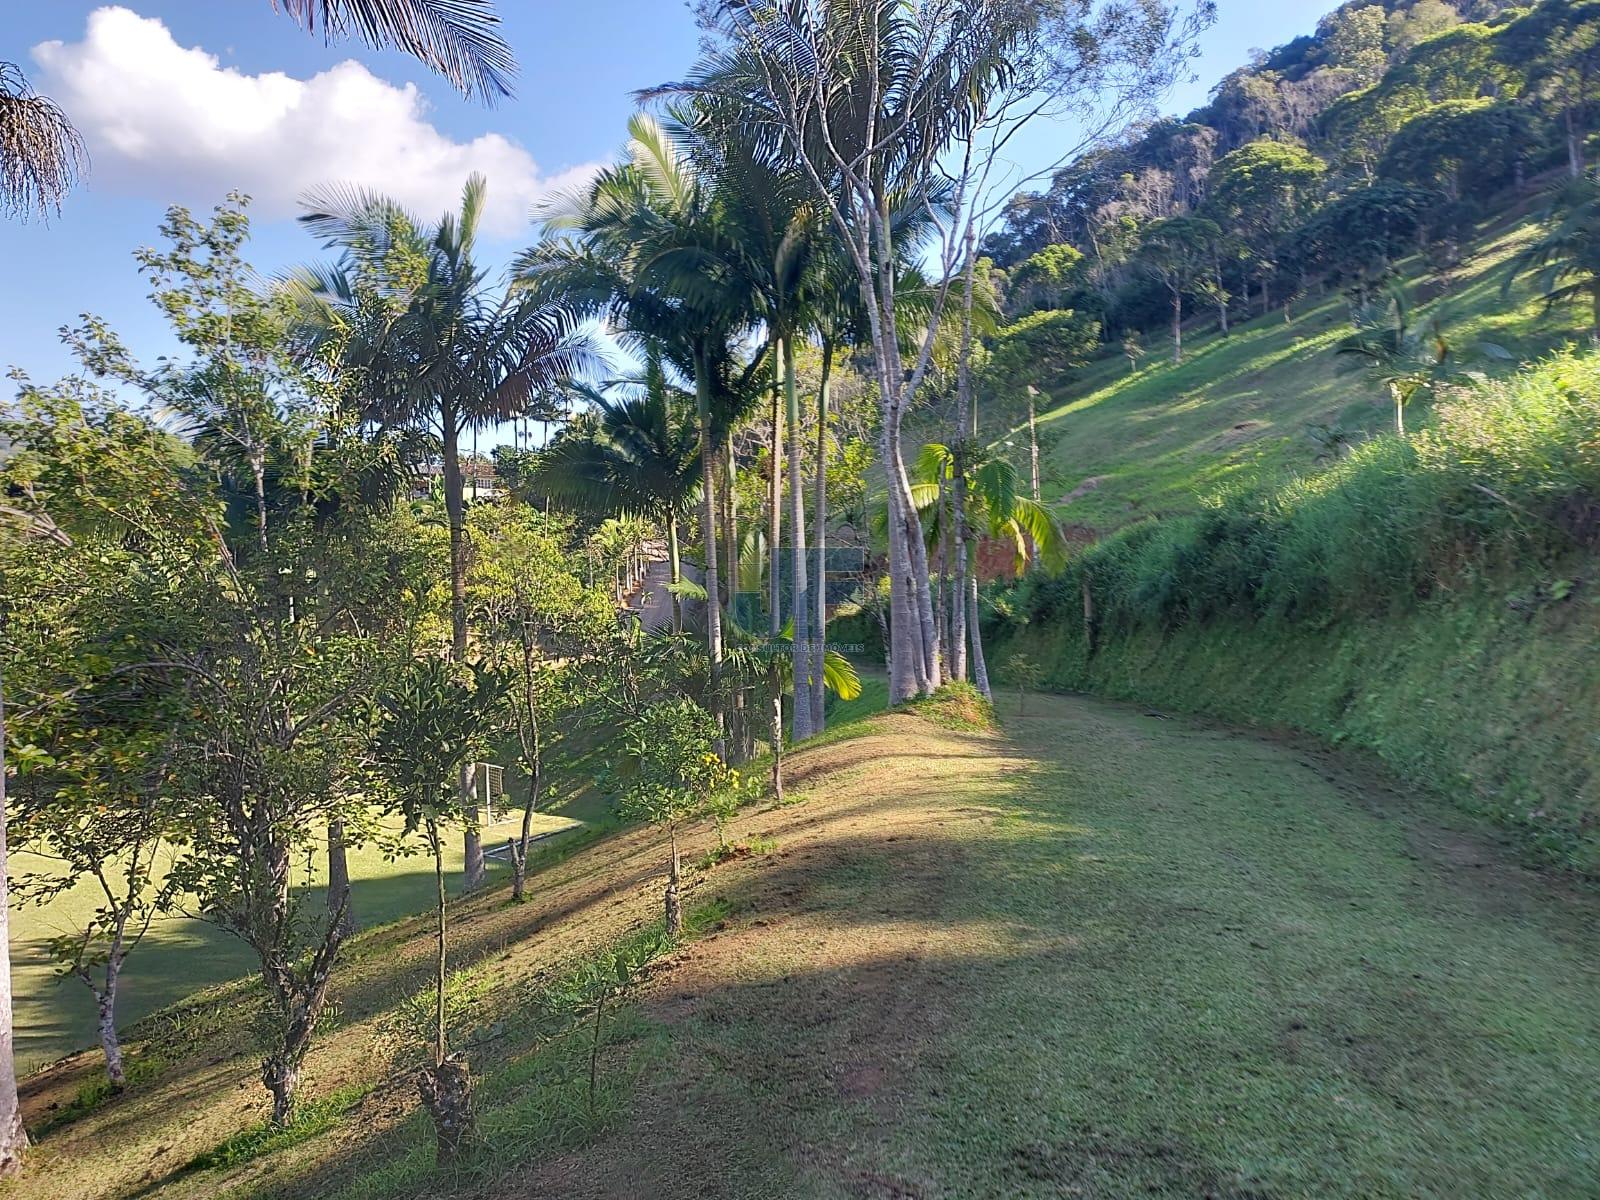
(775, 506)
(980, 669)
(819, 529)
(800, 606)
(454, 506)
(675, 571)
(13, 1138)
(730, 529)
(702, 391)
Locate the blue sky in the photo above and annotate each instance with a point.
(180, 100)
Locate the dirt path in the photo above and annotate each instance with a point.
(1112, 955)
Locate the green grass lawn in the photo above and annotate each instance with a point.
(181, 954)
(1116, 956)
(1236, 412)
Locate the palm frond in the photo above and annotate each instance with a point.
(459, 39)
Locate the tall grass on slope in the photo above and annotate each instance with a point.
(1505, 480)
(1431, 599)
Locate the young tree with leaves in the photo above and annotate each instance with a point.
(676, 776)
(435, 719)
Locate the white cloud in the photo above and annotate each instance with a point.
(174, 124)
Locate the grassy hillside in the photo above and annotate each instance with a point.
(1237, 412)
(1096, 953)
(1429, 601)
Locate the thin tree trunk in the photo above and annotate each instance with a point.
(339, 875)
(980, 669)
(775, 733)
(1574, 144)
(1033, 442)
(441, 1039)
(1177, 326)
(966, 412)
(446, 1087)
(105, 1003)
(941, 611)
(533, 756)
(13, 1138)
(819, 529)
(800, 708)
(674, 904)
(730, 531)
(775, 505)
(675, 571)
(454, 504)
(709, 520)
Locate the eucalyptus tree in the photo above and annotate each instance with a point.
(434, 345)
(1179, 253)
(646, 246)
(871, 99)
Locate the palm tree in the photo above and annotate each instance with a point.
(1565, 262)
(1406, 359)
(459, 39)
(41, 154)
(647, 248)
(409, 313)
(995, 507)
(634, 456)
(772, 219)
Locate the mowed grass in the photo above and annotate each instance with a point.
(1112, 955)
(181, 954)
(1239, 410)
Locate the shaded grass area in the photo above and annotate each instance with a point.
(180, 954)
(1119, 956)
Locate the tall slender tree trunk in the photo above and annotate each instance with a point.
(339, 876)
(13, 1138)
(775, 504)
(533, 758)
(966, 434)
(446, 1087)
(1574, 143)
(730, 530)
(455, 510)
(675, 570)
(800, 606)
(941, 610)
(1033, 442)
(819, 530)
(709, 521)
(980, 669)
(1177, 326)
(673, 901)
